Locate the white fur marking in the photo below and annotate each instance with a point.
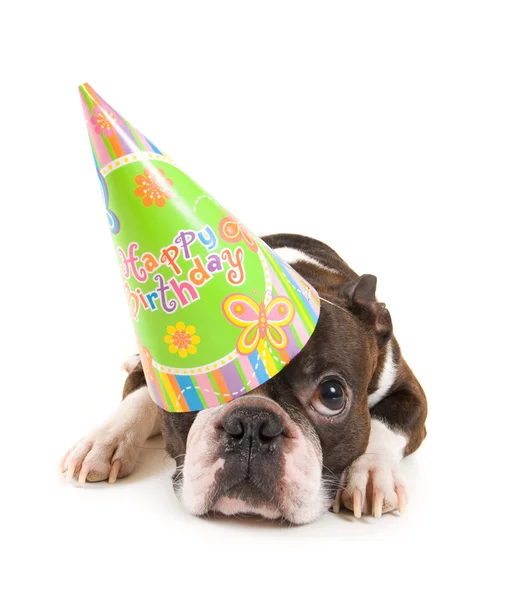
(292, 255)
(386, 379)
(130, 363)
(385, 442)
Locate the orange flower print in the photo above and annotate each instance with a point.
(233, 231)
(153, 187)
(181, 339)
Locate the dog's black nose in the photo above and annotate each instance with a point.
(253, 422)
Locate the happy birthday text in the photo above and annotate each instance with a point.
(182, 288)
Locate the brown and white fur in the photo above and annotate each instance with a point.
(279, 451)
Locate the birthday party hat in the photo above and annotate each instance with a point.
(216, 311)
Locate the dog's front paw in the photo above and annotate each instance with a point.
(104, 454)
(372, 484)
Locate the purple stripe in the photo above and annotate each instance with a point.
(154, 393)
(232, 378)
(126, 138)
(292, 347)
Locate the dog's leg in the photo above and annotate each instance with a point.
(111, 450)
(373, 483)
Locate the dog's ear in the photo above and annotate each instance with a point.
(360, 295)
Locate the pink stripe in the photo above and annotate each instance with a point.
(247, 369)
(96, 138)
(296, 321)
(300, 328)
(144, 142)
(210, 396)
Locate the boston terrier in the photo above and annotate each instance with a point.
(329, 429)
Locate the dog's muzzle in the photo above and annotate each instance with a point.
(250, 456)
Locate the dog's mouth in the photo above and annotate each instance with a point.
(251, 457)
(236, 506)
(250, 496)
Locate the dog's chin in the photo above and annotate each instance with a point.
(292, 508)
(285, 484)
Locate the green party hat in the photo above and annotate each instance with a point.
(216, 312)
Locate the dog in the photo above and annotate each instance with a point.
(329, 430)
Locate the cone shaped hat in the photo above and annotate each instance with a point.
(216, 311)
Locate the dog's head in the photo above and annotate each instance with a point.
(280, 450)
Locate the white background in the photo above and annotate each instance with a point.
(384, 129)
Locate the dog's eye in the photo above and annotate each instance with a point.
(330, 398)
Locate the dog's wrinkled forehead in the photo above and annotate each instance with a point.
(339, 343)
